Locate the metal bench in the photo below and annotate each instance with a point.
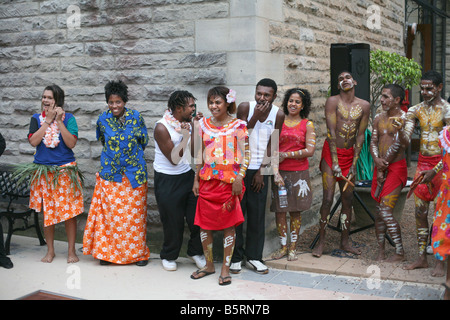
(16, 196)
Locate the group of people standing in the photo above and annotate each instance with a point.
(233, 158)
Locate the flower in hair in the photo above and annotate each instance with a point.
(231, 96)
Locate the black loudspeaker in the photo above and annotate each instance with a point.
(354, 58)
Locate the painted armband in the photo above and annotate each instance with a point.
(438, 167)
(246, 159)
(374, 143)
(393, 149)
(333, 149)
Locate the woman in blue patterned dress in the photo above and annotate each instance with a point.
(116, 227)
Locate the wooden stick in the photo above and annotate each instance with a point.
(348, 182)
(414, 184)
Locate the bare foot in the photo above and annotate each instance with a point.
(202, 273)
(439, 269)
(396, 258)
(420, 263)
(48, 257)
(72, 258)
(292, 255)
(318, 250)
(280, 253)
(351, 249)
(381, 256)
(447, 290)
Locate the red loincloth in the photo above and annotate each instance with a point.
(217, 208)
(428, 163)
(397, 175)
(345, 158)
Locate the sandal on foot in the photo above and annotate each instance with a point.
(202, 272)
(446, 286)
(224, 282)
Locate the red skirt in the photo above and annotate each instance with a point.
(397, 175)
(428, 163)
(345, 158)
(217, 208)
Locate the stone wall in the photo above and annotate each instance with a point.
(304, 37)
(158, 46)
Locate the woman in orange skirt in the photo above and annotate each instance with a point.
(116, 227)
(219, 180)
(56, 184)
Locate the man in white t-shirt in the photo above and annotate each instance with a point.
(174, 179)
(263, 118)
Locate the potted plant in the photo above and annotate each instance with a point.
(385, 68)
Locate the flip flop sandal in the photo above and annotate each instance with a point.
(224, 283)
(199, 272)
(446, 286)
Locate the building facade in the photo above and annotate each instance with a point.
(158, 46)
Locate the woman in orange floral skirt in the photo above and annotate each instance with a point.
(54, 133)
(116, 227)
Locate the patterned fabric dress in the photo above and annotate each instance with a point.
(217, 208)
(116, 226)
(441, 225)
(295, 172)
(59, 200)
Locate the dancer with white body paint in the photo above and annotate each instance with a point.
(388, 144)
(297, 143)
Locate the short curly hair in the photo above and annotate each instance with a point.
(179, 98)
(118, 88)
(306, 101)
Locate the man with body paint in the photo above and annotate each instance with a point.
(347, 117)
(433, 114)
(387, 147)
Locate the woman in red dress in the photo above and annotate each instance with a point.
(297, 144)
(219, 179)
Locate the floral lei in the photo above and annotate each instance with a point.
(170, 119)
(51, 137)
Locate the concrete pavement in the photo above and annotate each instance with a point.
(306, 279)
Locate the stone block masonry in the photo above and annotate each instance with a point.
(158, 46)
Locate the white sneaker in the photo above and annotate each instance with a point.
(199, 260)
(235, 267)
(257, 266)
(169, 265)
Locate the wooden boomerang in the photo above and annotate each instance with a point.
(413, 186)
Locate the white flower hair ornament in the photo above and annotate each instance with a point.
(231, 96)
